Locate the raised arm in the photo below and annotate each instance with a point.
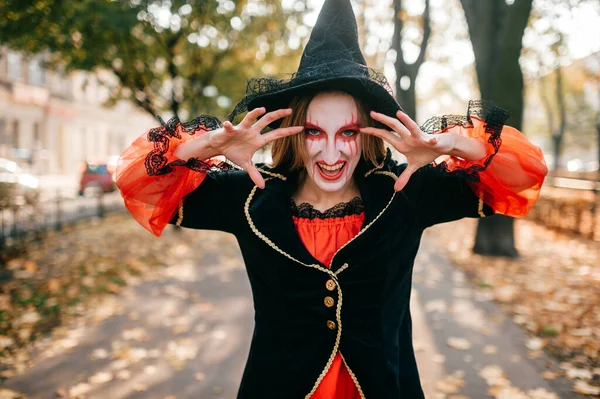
(467, 166)
(169, 174)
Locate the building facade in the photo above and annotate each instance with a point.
(51, 124)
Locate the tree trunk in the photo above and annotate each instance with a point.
(496, 31)
(598, 144)
(598, 141)
(407, 97)
(560, 133)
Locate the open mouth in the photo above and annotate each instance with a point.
(331, 172)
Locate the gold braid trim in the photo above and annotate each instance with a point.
(268, 241)
(480, 208)
(266, 172)
(180, 213)
(480, 205)
(336, 346)
(360, 392)
(341, 269)
(375, 168)
(390, 174)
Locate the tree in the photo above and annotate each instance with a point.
(496, 31)
(557, 132)
(406, 73)
(176, 56)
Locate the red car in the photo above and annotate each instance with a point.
(97, 176)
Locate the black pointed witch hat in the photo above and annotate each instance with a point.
(332, 60)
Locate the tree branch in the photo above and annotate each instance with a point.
(560, 100)
(425, 41)
(517, 18)
(172, 68)
(397, 38)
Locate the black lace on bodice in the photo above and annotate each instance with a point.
(305, 210)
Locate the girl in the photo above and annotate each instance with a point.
(330, 230)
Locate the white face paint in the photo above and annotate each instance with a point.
(332, 140)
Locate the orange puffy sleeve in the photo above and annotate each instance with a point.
(509, 178)
(152, 180)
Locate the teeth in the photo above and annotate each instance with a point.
(332, 168)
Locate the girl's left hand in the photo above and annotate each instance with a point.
(419, 148)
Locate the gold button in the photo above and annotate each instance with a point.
(330, 325)
(330, 285)
(329, 302)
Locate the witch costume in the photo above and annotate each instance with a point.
(331, 289)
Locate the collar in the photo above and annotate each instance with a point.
(269, 216)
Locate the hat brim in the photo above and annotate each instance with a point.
(374, 96)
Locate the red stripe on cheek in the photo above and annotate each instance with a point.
(352, 145)
(347, 173)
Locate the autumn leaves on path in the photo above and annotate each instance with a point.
(495, 320)
(181, 331)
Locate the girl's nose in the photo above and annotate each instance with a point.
(331, 154)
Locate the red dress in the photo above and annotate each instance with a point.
(323, 235)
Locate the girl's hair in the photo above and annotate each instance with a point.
(289, 152)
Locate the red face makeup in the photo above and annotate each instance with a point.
(332, 140)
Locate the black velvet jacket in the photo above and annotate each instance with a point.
(296, 334)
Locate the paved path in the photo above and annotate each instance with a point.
(186, 335)
(460, 316)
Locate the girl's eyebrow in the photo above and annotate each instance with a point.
(351, 125)
(311, 125)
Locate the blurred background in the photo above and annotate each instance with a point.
(81, 79)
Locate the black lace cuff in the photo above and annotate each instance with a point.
(493, 117)
(157, 161)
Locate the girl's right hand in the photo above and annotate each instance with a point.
(239, 143)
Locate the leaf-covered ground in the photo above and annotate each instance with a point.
(552, 291)
(178, 327)
(67, 273)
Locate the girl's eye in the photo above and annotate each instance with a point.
(312, 132)
(349, 133)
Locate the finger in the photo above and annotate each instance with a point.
(251, 116)
(254, 174)
(412, 126)
(393, 123)
(382, 134)
(228, 126)
(404, 178)
(282, 132)
(272, 117)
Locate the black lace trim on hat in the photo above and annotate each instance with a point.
(157, 163)
(336, 66)
(306, 211)
(494, 118)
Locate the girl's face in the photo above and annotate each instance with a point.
(332, 140)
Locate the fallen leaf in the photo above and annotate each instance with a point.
(101, 377)
(458, 343)
(584, 388)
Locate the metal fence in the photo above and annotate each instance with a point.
(20, 224)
